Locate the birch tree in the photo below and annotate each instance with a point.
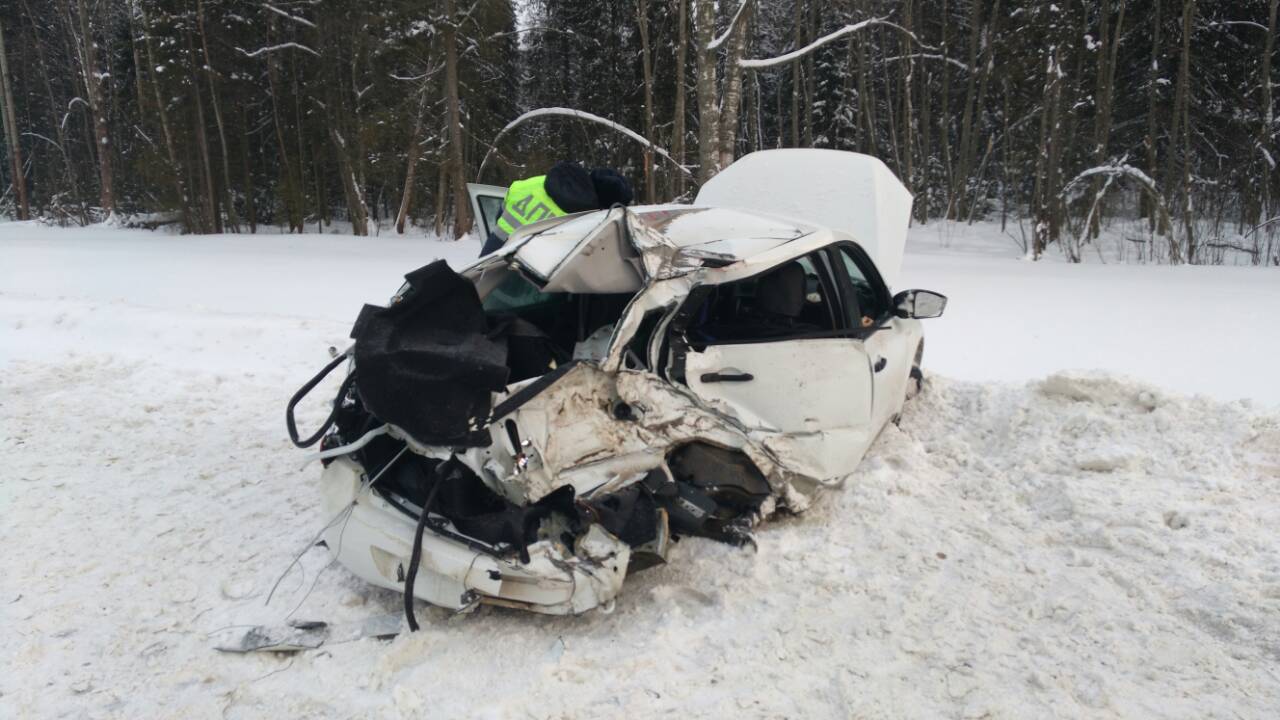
(11, 132)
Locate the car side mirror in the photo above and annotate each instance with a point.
(919, 304)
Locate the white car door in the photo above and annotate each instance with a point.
(486, 205)
(779, 358)
(869, 305)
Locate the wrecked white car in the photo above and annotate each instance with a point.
(530, 430)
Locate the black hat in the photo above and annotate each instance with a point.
(611, 187)
(571, 188)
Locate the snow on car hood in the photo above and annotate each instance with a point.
(844, 191)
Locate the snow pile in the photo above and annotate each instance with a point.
(1198, 329)
(1078, 545)
(1082, 544)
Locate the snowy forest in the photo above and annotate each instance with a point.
(237, 115)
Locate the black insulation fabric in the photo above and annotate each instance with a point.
(427, 363)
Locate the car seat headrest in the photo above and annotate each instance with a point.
(781, 292)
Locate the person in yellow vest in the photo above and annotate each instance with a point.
(567, 188)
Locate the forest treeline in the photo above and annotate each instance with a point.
(230, 115)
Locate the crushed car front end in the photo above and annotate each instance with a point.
(542, 431)
(523, 433)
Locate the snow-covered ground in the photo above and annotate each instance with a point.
(1197, 329)
(1030, 543)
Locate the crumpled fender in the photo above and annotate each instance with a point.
(375, 542)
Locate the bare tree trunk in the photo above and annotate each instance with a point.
(250, 204)
(840, 140)
(678, 131)
(890, 119)
(411, 163)
(1045, 203)
(704, 28)
(866, 103)
(1267, 115)
(356, 125)
(1005, 180)
(987, 63)
(1103, 94)
(442, 193)
(301, 136)
(462, 206)
(798, 41)
(908, 115)
(229, 201)
(11, 134)
(1153, 75)
(951, 178)
(75, 51)
(965, 163)
(171, 150)
(322, 197)
(291, 190)
(69, 167)
(731, 104)
(359, 210)
(810, 72)
(101, 131)
(752, 95)
(212, 216)
(646, 62)
(1182, 119)
(924, 198)
(139, 84)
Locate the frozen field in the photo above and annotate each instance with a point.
(1077, 519)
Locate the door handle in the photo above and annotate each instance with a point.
(727, 377)
(880, 364)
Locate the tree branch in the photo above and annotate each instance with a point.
(733, 24)
(273, 48)
(295, 18)
(846, 30)
(581, 115)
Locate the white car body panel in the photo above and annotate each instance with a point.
(895, 347)
(799, 386)
(804, 421)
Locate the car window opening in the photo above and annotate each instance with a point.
(548, 329)
(868, 301)
(793, 300)
(637, 354)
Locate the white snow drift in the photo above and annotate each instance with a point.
(1081, 545)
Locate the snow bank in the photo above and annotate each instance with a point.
(1194, 329)
(984, 561)
(1080, 545)
(218, 302)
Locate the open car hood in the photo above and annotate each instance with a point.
(848, 192)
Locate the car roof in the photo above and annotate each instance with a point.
(732, 233)
(612, 250)
(720, 234)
